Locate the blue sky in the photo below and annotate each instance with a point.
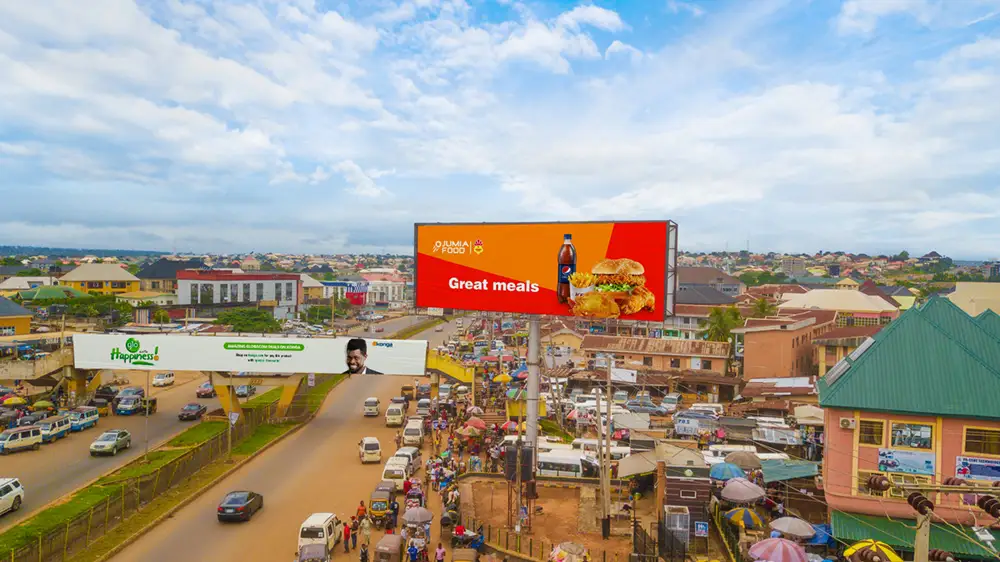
(326, 126)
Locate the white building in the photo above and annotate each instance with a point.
(280, 291)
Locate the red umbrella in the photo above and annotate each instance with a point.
(778, 550)
(476, 423)
(509, 426)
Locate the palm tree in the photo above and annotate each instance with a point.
(763, 308)
(719, 327)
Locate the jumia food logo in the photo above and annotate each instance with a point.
(135, 355)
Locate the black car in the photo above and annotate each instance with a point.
(192, 411)
(32, 419)
(246, 390)
(423, 391)
(107, 392)
(136, 391)
(240, 506)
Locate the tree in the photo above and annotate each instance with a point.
(763, 308)
(328, 276)
(33, 272)
(249, 320)
(133, 269)
(161, 316)
(9, 260)
(902, 256)
(720, 325)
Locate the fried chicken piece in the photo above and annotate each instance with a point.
(640, 298)
(596, 305)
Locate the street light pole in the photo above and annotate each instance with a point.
(146, 423)
(229, 431)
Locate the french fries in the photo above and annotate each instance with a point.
(582, 280)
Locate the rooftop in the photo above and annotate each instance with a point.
(690, 293)
(140, 295)
(11, 308)
(786, 386)
(704, 276)
(652, 346)
(933, 360)
(99, 272)
(838, 336)
(164, 268)
(21, 283)
(835, 299)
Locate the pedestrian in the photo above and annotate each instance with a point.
(361, 509)
(366, 530)
(439, 553)
(427, 531)
(363, 553)
(414, 552)
(355, 527)
(394, 510)
(347, 537)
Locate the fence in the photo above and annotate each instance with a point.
(128, 496)
(730, 534)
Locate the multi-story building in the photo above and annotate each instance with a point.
(715, 278)
(916, 403)
(838, 343)
(385, 289)
(161, 275)
(794, 267)
(782, 346)
(352, 289)
(659, 354)
(15, 320)
(216, 289)
(312, 290)
(101, 278)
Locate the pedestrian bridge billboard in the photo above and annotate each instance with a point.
(185, 352)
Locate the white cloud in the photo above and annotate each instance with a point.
(590, 15)
(618, 48)
(677, 6)
(362, 182)
(861, 16)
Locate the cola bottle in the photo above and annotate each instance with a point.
(567, 267)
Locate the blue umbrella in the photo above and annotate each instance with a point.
(725, 471)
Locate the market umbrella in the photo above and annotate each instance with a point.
(726, 471)
(744, 517)
(509, 426)
(469, 432)
(502, 378)
(793, 527)
(572, 414)
(741, 490)
(14, 401)
(476, 423)
(880, 548)
(744, 459)
(521, 375)
(43, 405)
(417, 516)
(778, 550)
(474, 410)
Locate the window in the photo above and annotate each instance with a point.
(913, 435)
(689, 494)
(260, 292)
(289, 291)
(246, 292)
(982, 441)
(7, 331)
(194, 293)
(675, 363)
(119, 285)
(277, 292)
(94, 284)
(154, 284)
(223, 293)
(706, 363)
(234, 292)
(207, 293)
(6, 490)
(870, 432)
(647, 361)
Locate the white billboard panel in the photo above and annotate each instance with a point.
(432, 311)
(181, 352)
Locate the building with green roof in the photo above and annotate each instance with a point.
(918, 402)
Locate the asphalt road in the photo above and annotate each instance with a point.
(314, 470)
(61, 467)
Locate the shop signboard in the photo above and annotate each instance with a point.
(185, 352)
(906, 462)
(597, 270)
(701, 528)
(976, 468)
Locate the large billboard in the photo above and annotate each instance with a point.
(179, 352)
(587, 269)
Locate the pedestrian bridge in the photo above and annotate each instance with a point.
(445, 365)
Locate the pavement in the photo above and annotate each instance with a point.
(313, 470)
(60, 468)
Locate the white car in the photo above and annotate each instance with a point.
(369, 450)
(11, 495)
(163, 379)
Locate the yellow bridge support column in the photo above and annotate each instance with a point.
(95, 382)
(288, 390)
(227, 394)
(76, 381)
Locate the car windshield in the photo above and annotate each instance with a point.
(237, 498)
(371, 446)
(311, 533)
(379, 505)
(393, 474)
(4, 436)
(192, 407)
(398, 399)
(128, 401)
(371, 402)
(412, 431)
(130, 391)
(160, 377)
(108, 437)
(206, 385)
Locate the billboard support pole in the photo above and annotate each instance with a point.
(534, 343)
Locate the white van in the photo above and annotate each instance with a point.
(321, 528)
(394, 416)
(719, 409)
(396, 470)
(54, 428)
(371, 406)
(413, 458)
(21, 438)
(163, 379)
(569, 465)
(369, 450)
(413, 434)
(716, 454)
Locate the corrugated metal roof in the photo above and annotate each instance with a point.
(853, 527)
(99, 272)
(990, 321)
(654, 346)
(932, 360)
(691, 293)
(837, 299)
(776, 470)
(705, 276)
(11, 308)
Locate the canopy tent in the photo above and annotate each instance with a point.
(640, 463)
(808, 414)
(777, 470)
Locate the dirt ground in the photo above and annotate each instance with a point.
(558, 522)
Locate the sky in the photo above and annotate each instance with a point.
(326, 126)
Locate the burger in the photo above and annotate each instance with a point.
(618, 276)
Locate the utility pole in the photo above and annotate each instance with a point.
(534, 354)
(922, 542)
(147, 398)
(229, 430)
(606, 473)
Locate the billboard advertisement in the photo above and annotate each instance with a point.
(181, 352)
(906, 462)
(975, 468)
(586, 269)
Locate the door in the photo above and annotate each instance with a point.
(6, 498)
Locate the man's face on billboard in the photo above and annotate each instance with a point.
(355, 361)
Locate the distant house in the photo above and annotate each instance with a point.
(138, 297)
(782, 346)
(102, 278)
(8, 271)
(854, 308)
(715, 278)
(15, 320)
(702, 294)
(838, 343)
(161, 275)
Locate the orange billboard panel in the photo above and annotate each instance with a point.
(587, 269)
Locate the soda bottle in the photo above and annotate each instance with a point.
(567, 267)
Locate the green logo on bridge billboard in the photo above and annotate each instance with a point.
(134, 354)
(263, 346)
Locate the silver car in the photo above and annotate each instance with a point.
(110, 442)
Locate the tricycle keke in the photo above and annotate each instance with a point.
(378, 505)
(313, 553)
(389, 549)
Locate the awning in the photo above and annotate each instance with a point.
(807, 414)
(779, 470)
(640, 463)
(852, 527)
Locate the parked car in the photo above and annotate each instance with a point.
(240, 506)
(423, 391)
(641, 407)
(163, 379)
(379, 329)
(136, 391)
(206, 390)
(108, 392)
(192, 411)
(110, 442)
(246, 390)
(11, 495)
